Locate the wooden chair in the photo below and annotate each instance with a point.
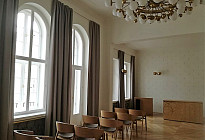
(111, 127)
(121, 110)
(83, 133)
(139, 115)
(108, 115)
(64, 130)
(90, 121)
(45, 138)
(127, 120)
(24, 135)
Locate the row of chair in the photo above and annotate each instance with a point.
(108, 123)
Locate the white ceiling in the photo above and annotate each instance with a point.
(98, 6)
(188, 40)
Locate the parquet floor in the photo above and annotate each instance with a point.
(160, 129)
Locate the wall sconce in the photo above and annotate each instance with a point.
(157, 73)
(124, 71)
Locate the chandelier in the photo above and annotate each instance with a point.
(150, 11)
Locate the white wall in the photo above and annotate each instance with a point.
(182, 76)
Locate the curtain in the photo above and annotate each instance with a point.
(59, 90)
(121, 79)
(8, 18)
(93, 69)
(132, 80)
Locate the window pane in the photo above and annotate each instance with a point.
(127, 80)
(23, 33)
(37, 86)
(20, 87)
(77, 90)
(39, 38)
(78, 50)
(115, 80)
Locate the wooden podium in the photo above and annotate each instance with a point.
(145, 104)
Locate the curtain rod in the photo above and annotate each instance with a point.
(81, 15)
(124, 52)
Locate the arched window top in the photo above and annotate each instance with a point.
(77, 48)
(80, 44)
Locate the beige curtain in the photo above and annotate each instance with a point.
(59, 90)
(93, 69)
(132, 80)
(8, 17)
(121, 79)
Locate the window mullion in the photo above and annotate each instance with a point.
(29, 67)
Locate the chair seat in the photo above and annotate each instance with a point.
(66, 135)
(127, 122)
(108, 129)
(139, 118)
(91, 125)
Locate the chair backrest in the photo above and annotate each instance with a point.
(64, 127)
(108, 115)
(125, 117)
(137, 112)
(84, 132)
(121, 110)
(24, 135)
(110, 123)
(45, 138)
(90, 119)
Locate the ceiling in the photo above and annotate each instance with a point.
(187, 40)
(98, 6)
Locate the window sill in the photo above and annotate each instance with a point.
(127, 99)
(29, 117)
(115, 102)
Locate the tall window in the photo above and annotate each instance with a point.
(30, 64)
(115, 80)
(77, 63)
(116, 83)
(127, 80)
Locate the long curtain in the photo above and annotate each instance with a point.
(8, 18)
(59, 90)
(132, 80)
(93, 69)
(121, 79)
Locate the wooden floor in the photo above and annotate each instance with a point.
(159, 129)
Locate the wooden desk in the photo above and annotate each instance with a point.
(188, 111)
(146, 104)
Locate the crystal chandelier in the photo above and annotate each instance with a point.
(151, 10)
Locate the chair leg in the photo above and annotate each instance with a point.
(122, 133)
(146, 123)
(142, 125)
(136, 128)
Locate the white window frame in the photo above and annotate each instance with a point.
(77, 67)
(29, 59)
(128, 80)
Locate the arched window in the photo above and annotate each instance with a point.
(79, 69)
(30, 64)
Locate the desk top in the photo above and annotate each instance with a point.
(183, 101)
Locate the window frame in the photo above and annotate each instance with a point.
(128, 80)
(29, 59)
(77, 67)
